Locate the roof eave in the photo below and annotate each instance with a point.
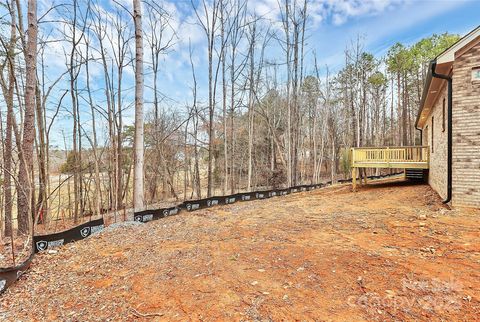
(448, 55)
(426, 88)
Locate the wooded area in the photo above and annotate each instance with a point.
(262, 112)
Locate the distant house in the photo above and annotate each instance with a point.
(449, 120)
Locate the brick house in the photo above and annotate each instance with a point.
(449, 120)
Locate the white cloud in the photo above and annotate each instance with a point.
(342, 10)
(336, 11)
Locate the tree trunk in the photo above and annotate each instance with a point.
(119, 156)
(7, 155)
(98, 191)
(76, 167)
(42, 204)
(251, 54)
(232, 111)
(138, 203)
(25, 186)
(224, 99)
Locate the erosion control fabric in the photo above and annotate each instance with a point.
(10, 275)
(149, 215)
(43, 242)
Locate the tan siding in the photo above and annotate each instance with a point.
(437, 177)
(466, 130)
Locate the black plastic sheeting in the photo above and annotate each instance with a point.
(43, 242)
(10, 275)
(149, 215)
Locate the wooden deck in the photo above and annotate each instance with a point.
(404, 157)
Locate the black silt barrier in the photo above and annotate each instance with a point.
(283, 192)
(303, 188)
(10, 275)
(247, 196)
(294, 189)
(228, 200)
(264, 194)
(192, 205)
(155, 214)
(45, 242)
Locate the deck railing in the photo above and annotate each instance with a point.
(391, 157)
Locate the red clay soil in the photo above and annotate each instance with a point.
(390, 251)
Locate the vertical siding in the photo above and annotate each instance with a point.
(437, 177)
(466, 130)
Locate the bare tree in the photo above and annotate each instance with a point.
(74, 68)
(238, 27)
(138, 203)
(224, 40)
(251, 98)
(208, 20)
(25, 187)
(196, 170)
(97, 196)
(8, 92)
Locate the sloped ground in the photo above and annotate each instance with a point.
(387, 252)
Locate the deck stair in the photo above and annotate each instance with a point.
(417, 175)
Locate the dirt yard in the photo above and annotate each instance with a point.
(390, 251)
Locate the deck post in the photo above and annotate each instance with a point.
(387, 157)
(354, 178)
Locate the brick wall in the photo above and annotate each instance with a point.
(466, 130)
(437, 177)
